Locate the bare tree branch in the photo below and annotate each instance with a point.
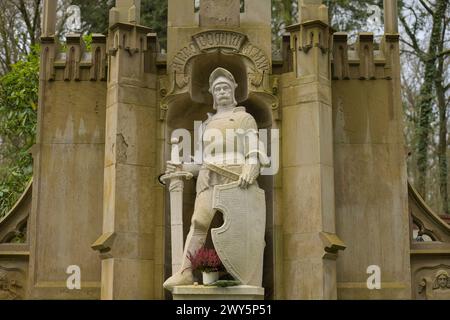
(412, 36)
(425, 5)
(443, 53)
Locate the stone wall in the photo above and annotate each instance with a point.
(68, 169)
(370, 169)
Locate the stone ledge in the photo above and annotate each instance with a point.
(215, 293)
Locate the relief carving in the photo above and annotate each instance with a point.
(10, 284)
(436, 286)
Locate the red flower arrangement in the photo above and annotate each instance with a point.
(206, 260)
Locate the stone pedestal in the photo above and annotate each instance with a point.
(215, 293)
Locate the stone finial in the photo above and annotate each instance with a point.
(390, 16)
(134, 14)
(312, 10)
(49, 18)
(126, 11)
(220, 13)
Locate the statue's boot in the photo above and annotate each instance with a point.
(194, 241)
(179, 279)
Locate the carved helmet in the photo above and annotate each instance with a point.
(221, 75)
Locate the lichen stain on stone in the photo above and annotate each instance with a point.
(122, 148)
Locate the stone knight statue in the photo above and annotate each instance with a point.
(226, 182)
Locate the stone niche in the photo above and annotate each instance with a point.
(191, 103)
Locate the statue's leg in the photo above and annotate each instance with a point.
(200, 223)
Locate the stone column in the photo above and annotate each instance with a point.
(390, 16)
(49, 18)
(310, 242)
(131, 244)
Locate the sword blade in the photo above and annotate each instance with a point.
(176, 222)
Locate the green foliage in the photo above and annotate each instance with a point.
(18, 105)
(88, 41)
(154, 15)
(94, 14)
(284, 13)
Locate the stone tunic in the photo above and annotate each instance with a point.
(242, 123)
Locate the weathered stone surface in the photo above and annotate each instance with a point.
(71, 117)
(369, 189)
(133, 245)
(311, 125)
(256, 13)
(299, 205)
(364, 112)
(301, 91)
(129, 200)
(69, 189)
(220, 13)
(302, 246)
(131, 94)
(181, 13)
(314, 277)
(128, 279)
(132, 139)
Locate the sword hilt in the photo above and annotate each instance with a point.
(175, 175)
(175, 159)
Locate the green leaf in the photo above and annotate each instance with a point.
(18, 119)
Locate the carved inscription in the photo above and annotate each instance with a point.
(182, 57)
(219, 39)
(257, 55)
(207, 41)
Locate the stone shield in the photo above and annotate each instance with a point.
(240, 241)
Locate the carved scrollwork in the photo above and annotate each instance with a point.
(18, 234)
(422, 232)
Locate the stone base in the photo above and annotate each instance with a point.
(215, 293)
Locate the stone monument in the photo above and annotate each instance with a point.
(106, 133)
